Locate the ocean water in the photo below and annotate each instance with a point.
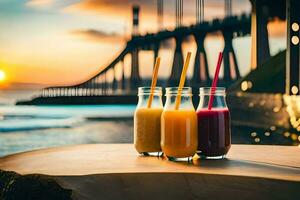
(24, 128)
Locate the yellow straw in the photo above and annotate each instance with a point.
(182, 80)
(154, 80)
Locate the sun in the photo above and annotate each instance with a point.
(2, 75)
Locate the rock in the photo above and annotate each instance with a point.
(14, 186)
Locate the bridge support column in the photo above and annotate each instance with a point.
(114, 83)
(122, 81)
(88, 88)
(104, 84)
(98, 85)
(260, 50)
(94, 86)
(293, 47)
(231, 70)
(200, 74)
(177, 63)
(135, 75)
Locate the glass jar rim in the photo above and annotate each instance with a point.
(148, 90)
(185, 91)
(212, 91)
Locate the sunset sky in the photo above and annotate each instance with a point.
(58, 42)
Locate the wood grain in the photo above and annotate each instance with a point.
(277, 162)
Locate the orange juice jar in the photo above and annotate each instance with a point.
(147, 122)
(179, 133)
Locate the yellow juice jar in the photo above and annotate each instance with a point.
(147, 121)
(179, 133)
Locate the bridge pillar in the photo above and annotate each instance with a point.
(200, 74)
(177, 63)
(88, 88)
(231, 70)
(199, 11)
(96, 89)
(104, 84)
(122, 81)
(94, 86)
(260, 50)
(293, 47)
(160, 13)
(179, 12)
(135, 75)
(114, 83)
(100, 85)
(135, 20)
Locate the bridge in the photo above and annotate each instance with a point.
(230, 27)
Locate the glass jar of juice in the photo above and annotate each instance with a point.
(147, 121)
(214, 132)
(179, 137)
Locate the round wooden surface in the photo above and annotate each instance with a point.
(277, 162)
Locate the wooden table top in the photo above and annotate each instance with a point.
(276, 162)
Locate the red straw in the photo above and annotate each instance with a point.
(214, 84)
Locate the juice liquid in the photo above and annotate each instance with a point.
(179, 137)
(214, 132)
(147, 129)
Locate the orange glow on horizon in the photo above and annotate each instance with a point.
(4, 83)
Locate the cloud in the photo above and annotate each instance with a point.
(115, 8)
(149, 6)
(122, 10)
(39, 3)
(94, 35)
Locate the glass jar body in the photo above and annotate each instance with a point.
(214, 129)
(179, 137)
(147, 121)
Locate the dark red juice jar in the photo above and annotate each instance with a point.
(214, 128)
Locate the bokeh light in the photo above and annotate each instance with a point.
(295, 40)
(244, 86)
(294, 90)
(253, 134)
(295, 26)
(267, 133)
